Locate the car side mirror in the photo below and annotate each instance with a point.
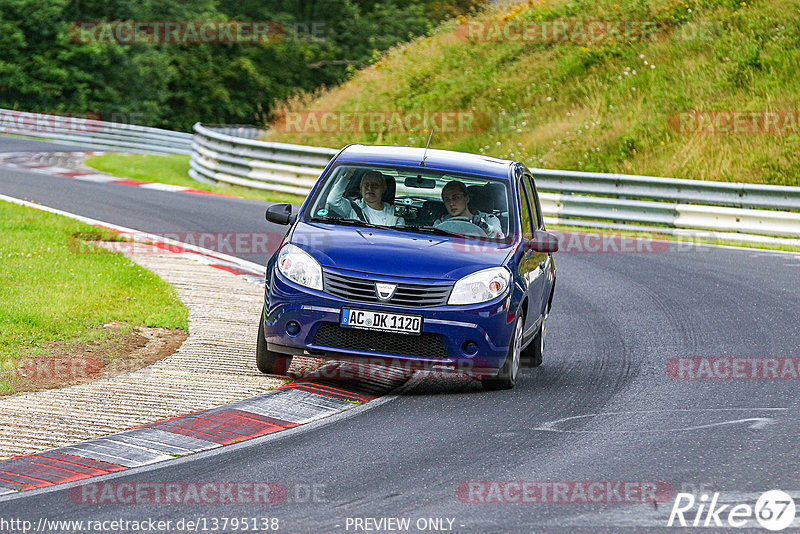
(280, 214)
(543, 242)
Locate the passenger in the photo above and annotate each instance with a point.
(456, 200)
(370, 207)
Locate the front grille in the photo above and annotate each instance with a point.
(362, 290)
(426, 345)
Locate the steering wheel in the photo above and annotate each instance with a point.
(461, 225)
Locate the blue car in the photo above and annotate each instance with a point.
(416, 257)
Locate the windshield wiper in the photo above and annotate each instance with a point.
(425, 230)
(402, 227)
(347, 222)
(442, 231)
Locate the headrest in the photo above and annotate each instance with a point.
(497, 193)
(391, 188)
(479, 200)
(431, 210)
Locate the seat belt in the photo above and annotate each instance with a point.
(358, 210)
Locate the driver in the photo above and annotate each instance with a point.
(456, 200)
(370, 207)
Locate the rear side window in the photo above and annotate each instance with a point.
(525, 212)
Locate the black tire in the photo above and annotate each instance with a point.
(533, 353)
(507, 376)
(268, 362)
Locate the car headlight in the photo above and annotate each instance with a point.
(481, 286)
(298, 266)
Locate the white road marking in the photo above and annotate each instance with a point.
(99, 178)
(164, 187)
(756, 422)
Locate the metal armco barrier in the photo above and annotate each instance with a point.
(744, 212)
(231, 155)
(219, 157)
(579, 210)
(733, 194)
(98, 135)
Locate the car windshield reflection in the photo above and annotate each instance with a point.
(407, 199)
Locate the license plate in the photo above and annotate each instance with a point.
(384, 322)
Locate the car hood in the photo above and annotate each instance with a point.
(397, 252)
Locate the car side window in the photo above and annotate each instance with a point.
(525, 212)
(537, 216)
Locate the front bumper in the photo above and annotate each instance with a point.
(473, 338)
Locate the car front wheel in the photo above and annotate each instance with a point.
(268, 362)
(507, 376)
(533, 353)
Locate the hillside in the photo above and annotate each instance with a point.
(533, 82)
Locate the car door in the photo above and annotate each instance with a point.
(546, 277)
(530, 266)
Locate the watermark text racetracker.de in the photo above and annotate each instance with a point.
(233, 243)
(176, 31)
(382, 121)
(189, 493)
(734, 368)
(584, 31)
(570, 242)
(561, 30)
(63, 121)
(45, 369)
(565, 492)
(146, 524)
(377, 368)
(265, 243)
(731, 121)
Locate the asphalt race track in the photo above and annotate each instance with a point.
(602, 408)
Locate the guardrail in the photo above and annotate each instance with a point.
(219, 157)
(231, 155)
(748, 224)
(95, 134)
(745, 212)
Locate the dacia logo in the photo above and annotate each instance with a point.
(385, 291)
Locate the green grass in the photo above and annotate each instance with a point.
(173, 169)
(580, 106)
(56, 286)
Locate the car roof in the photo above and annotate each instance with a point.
(446, 160)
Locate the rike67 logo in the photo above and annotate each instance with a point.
(774, 510)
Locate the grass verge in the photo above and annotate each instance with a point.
(56, 286)
(173, 169)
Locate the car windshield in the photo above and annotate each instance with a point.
(418, 200)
